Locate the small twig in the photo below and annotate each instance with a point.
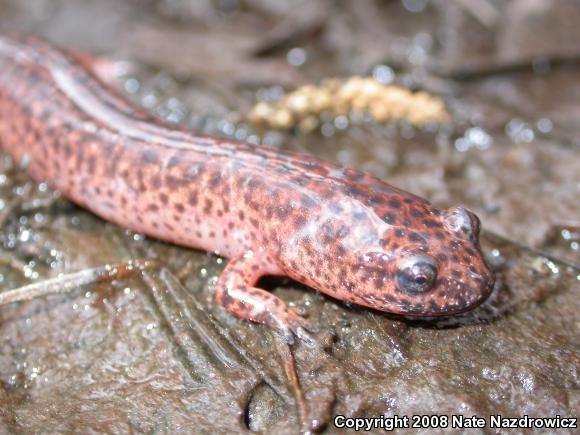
(483, 11)
(289, 363)
(69, 282)
(484, 69)
(497, 238)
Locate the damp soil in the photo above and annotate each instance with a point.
(153, 353)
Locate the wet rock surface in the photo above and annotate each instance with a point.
(154, 352)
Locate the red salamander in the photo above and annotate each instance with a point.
(338, 230)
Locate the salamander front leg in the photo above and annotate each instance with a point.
(237, 293)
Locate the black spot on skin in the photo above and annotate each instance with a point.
(407, 223)
(164, 198)
(415, 213)
(153, 207)
(281, 212)
(254, 184)
(439, 235)
(254, 222)
(225, 299)
(374, 200)
(378, 281)
(389, 218)
(399, 233)
(307, 201)
(355, 191)
(149, 156)
(241, 215)
(174, 160)
(156, 182)
(388, 298)
(174, 182)
(180, 208)
(430, 223)
(340, 251)
(414, 237)
(207, 206)
(91, 164)
(299, 221)
(193, 198)
(456, 274)
(215, 180)
(394, 203)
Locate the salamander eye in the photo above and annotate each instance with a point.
(416, 274)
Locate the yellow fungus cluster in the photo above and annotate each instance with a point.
(303, 107)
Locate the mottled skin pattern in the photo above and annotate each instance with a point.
(335, 229)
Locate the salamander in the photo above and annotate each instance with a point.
(335, 229)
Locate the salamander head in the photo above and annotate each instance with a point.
(417, 261)
(433, 267)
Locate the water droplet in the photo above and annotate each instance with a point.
(519, 131)
(341, 122)
(415, 6)
(479, 138)
(383, 74)
(297, 56)
(132, 85)
(327, 129)
(544, 125)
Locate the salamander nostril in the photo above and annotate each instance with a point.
(463, 222)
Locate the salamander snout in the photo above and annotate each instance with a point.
(449, 275)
